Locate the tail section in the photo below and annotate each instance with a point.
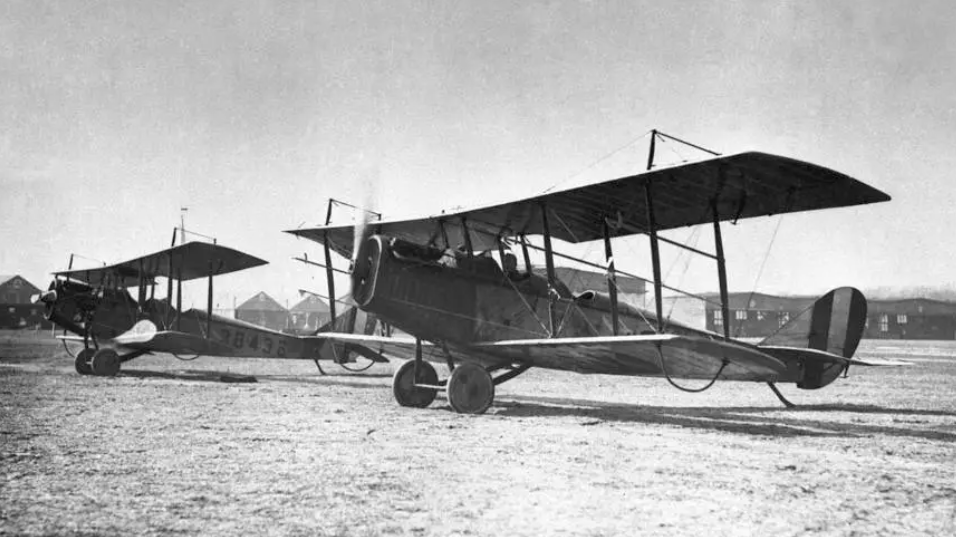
(815, 341)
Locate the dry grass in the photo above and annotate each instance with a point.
(166, 448)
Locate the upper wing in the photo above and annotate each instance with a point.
(743, 185)
(684, 357)
(185, 262)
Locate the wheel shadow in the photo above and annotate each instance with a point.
(754, 421)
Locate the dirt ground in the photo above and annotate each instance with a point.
(167, 447)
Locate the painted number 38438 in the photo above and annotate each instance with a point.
(240, 339)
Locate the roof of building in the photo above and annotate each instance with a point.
(310, 304)
(5, 278)
(261, 302)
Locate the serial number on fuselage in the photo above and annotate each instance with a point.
(249, 339)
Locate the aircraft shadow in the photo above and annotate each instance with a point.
(781, 422)
(223, 377)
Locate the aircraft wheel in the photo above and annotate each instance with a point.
(404, 389)
(82, 362)
(471, 389)
(105, 363)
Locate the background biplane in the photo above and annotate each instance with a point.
(97, 307)
(436, 279)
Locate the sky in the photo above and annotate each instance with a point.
(115, 115)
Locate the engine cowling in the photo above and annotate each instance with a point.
(407, 286)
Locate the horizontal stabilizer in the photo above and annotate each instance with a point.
(813, 355)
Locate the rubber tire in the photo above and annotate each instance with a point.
(471, 390)
(82, 362)
(105, 363)
(404, 389)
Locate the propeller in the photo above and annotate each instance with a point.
(362, 256)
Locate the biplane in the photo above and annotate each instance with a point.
(96, 306)
(437, 279)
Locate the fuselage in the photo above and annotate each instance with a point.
(103, 313)
(470, 299)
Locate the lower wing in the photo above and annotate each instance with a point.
(646, 355)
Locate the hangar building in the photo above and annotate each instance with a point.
(264, 311)
(309, 314)
(16, 310)
(759, 315)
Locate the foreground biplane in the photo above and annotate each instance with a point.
(96, 306)
(484, 317)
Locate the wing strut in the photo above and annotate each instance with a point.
(329, 277)
(721, 271)
(611, 280)
(652, 233)
(179, 294)
(549, 265)
(209, 304)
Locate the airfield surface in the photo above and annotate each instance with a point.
(168, 448)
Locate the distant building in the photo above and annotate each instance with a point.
(16, 309)
(309, 314)
(264, 311)
(914, 318)
(760, 315)
(754, 314)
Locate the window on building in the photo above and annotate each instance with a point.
(718, 319)
(741, 315)
(901, 318)
(783, 318)
(761, 315)
(884, 323)
(11, 309)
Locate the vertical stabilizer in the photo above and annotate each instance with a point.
(833, 324)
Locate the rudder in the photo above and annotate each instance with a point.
(833, 324)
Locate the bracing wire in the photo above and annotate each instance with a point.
(723, 364)
(692, 241)
(763, 264)
(596, 162)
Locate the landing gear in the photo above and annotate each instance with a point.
(470, 389)
(407, 389)
(105, 363)
(82, 362)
